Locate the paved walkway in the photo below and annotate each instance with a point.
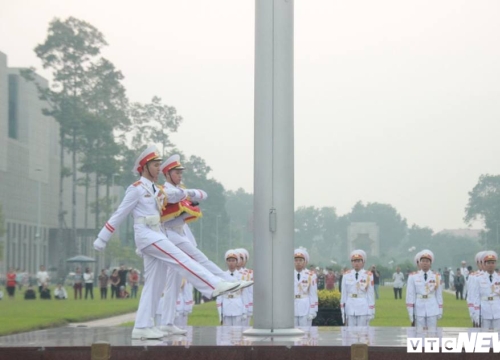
(111, 321)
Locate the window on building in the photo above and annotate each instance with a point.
(13, 101)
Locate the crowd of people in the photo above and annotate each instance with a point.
(39, 286)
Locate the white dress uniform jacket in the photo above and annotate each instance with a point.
(232, 304)
(487, 296)
(471, 293)
(145, 205)
(424, 297)
(306, 293)
(357, 295)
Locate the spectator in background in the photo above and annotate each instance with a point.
(11, 283)
(103, 284)
(19, 279)
(330, 280)
(321, 279)
(29, 294)
(340, 278)
(25, 279)
(42, 277)
(133, 280)
(452, 279)
(123, 293)
(376, 280)
(60, 292)
(446, 277)
(398, 279)
(464, 269)
(114, 279)
(45, 292)
(122, 274)
(77, 283)
(459, 283)
(88, 278)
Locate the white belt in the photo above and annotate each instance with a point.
(153, 221)
(428, 296)
(300, 296)
(356, 296)
(490, 298)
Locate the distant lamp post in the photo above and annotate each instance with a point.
(217, 237)
(113, 188)
(38, 236)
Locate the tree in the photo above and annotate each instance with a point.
(69, 50)
(316, 230)
(484, 204)
(239, 206)
(154, 122)
(106, 101)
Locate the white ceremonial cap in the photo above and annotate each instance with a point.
(490, 255)
(173, 162)
(149, 154)
(479, 257)
(427, 254)
(232, 254)
(301, 252)
(358, 254)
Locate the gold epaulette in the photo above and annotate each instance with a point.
(137, 183)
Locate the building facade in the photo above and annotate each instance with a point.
(29, 180)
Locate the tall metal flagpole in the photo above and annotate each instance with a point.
(273, 170)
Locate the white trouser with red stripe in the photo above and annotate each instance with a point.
(183, 242)
(155, 257)
(171, 292)
(173, 279)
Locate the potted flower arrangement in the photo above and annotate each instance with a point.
(329, 313)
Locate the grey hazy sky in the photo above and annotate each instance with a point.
(395, 101)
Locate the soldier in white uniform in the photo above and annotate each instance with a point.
(306, 290)
(357, 302)
(487, 294)
(184, 305)
(174, 218)
(144, 200)
(471, 286)
(231, 307)
(246, 275)
(424, 298)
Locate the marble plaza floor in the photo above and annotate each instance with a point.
(225, 336)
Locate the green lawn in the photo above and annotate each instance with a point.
(391, 312)
(21, 315)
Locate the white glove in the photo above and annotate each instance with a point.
(139, 252)
(440, 316)
(310, 317)
(190, 192)
(244, 317)
(177, 314)
(343, 316)
(99, 244)
(411, 318)
(372, 316)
